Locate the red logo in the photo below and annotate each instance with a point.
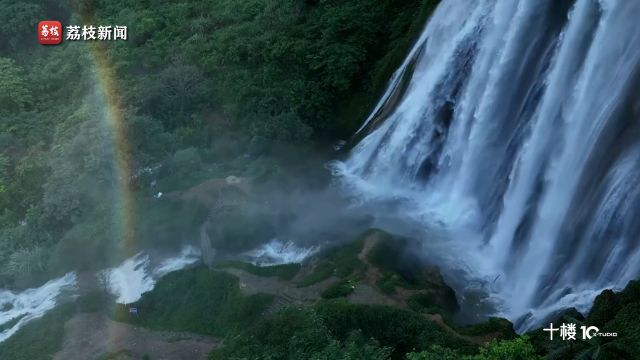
(49, 32)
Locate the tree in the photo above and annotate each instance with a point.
(17, 21)
(14, 93)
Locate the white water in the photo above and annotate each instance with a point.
(518, 136)
(137, 275)
(33, 303)
(277, 252)
(127, 282)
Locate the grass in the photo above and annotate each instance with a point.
(197, 300)
(284, 271)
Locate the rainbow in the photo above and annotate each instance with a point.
(115, 118)
(114, 115)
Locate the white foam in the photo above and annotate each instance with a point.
(189, 255)
(32, 303)
(135, 276)
(129, 280)
(278, 252)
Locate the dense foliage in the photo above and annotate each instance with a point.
(335, 327)
(207, 89)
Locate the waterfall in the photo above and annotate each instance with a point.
(517, 134)
(19, 308)
(137, 275)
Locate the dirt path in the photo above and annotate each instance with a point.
(93, 336)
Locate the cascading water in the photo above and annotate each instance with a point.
(127, 282)
(137, 275)
(518, 133)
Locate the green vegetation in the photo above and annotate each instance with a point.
(498, 326)
(197, 300)
(340, 262)
(390, 255)
(420, 302)
(340, 288)
(401, 268)
(612, 313)
(388, 282)
(335, 327)
(283, 271)
(516, 349)
(206, 89)
(41, 338)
